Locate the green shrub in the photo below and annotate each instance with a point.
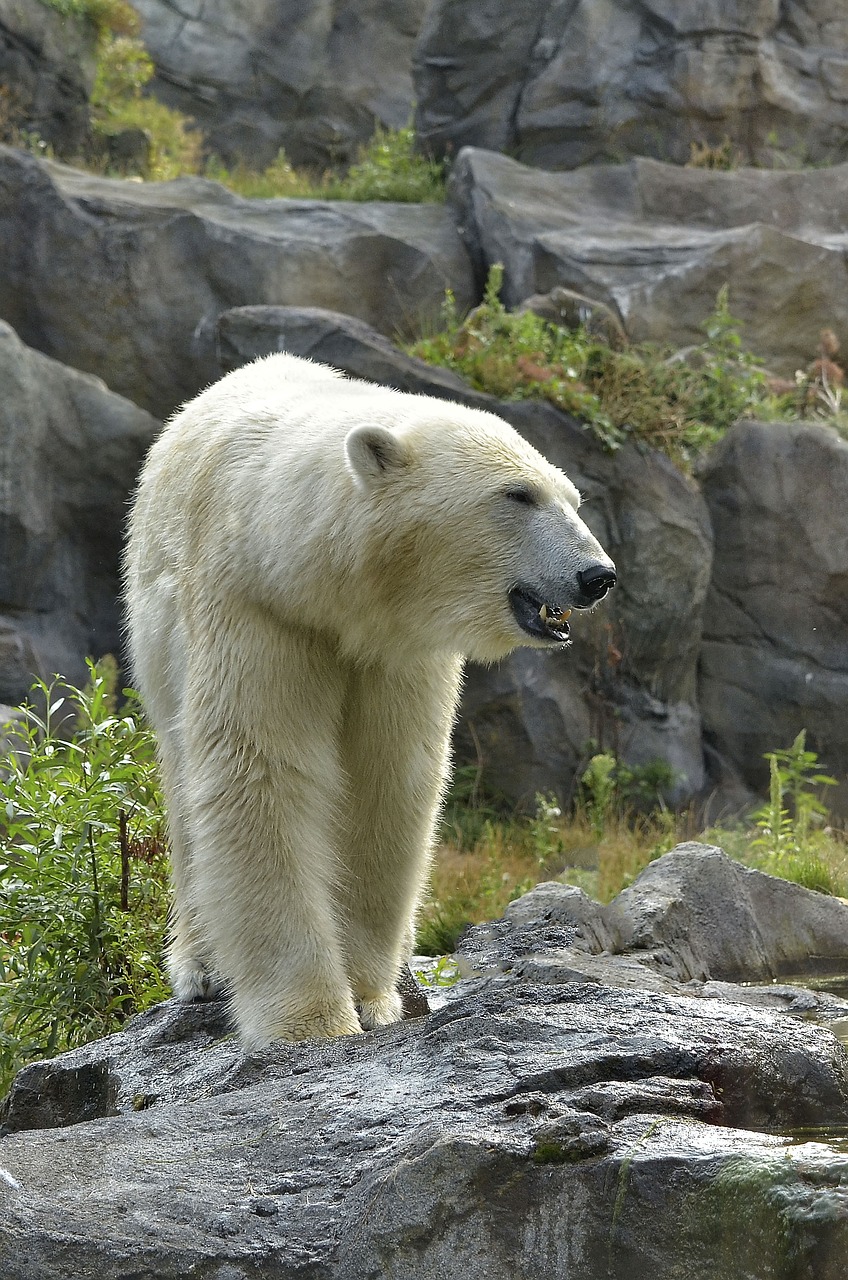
(387, 168)
(680, 402)
(83, 878)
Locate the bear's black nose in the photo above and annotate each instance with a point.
(596, 581)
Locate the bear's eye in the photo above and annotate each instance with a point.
(522, 494)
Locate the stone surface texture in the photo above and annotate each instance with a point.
(565, 84)
(629, 679)
(70, 451)
(656, 242)
(127, 280)
(774, 658)
(313, 78)
(47, 63)
(527, 1127)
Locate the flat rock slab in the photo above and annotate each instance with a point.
(127, 280)
(656, 242)
(519, 1130)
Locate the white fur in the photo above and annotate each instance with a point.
(309, 559)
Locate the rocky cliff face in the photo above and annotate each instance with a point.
(563, 85)
(47, 62)
(313, 78)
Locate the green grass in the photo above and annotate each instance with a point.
(486, 856)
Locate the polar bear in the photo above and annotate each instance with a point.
(310, 559)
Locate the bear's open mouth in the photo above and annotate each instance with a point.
(537, 617)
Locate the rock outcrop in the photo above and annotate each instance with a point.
(774, 658)
(70, 451)
(47, 63)
(628, 682)
(562, 85)
(527, 1127)
(655, 243)
(315, 79)
(127, 280)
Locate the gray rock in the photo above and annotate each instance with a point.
(70, 451)
(629, 680)
(775, 657)
(245, 333)
(694, 922)
(601, 80)
(315, 79)
(47, 63)
(655, 243)
(522, 1129)
(127, 280)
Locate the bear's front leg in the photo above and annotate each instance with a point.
(395, 751)
(262, 787)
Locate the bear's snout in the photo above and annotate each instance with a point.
(595, 582)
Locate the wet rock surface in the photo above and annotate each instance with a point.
(126, 280)
(524, 1126)
(656, 242)
(628, 682)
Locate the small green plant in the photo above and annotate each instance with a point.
(444, 973)
(83, 882)
(544, 828)
(389, 168)
(118, 101)
(598, 791)
(790, 823)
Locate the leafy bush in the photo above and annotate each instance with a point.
(680, 402)
(83, 882)
(387, 168)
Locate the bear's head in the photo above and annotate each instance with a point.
(474, 543)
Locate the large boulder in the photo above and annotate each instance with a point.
(47, 64)
(775, 655)
(656, 243)
(602, 80)
(126, 280)
(70, 451)
(315, 79)
(628, 682)
(526, 1128)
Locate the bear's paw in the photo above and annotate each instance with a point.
(381, 1010)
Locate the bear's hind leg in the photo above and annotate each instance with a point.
(395, 750)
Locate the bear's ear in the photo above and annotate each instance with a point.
(372, 453)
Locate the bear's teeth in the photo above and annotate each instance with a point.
(556, 619)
